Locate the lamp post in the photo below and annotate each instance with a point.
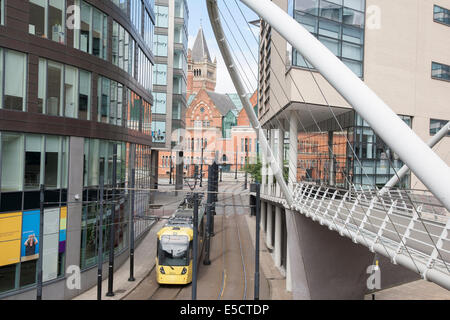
(201, 164)
(246, 162)
(170, 170)
(235, 166)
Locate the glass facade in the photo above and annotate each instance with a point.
(28, 160)
(441, 15)
(436, 125)
(338, 24)
(440, 71)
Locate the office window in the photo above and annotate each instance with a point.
(136, 14)
(122, 4)
(52, 162)
(145, 67)
(46, 19)
(338, 24)
(436, 125)
(42, 87)
(110, 101)
(2, 11)
(33, 149)
(12, 162)
(84, 96)
(162, 16)
(159, 102)
(54, 88)
(440, 71)
(14, 91)
(70, 92)
(160, 74)
(148, 30)
(93, 33)
(181, 10)
(160, 45)
(104, 99)
(123, 49)
(73, 99)
(159, 131)
(442, 15)
(134, 110)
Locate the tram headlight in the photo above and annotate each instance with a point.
(162, 270)
(184, 271)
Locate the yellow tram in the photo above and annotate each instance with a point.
(174, 260)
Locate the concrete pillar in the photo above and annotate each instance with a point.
(74, 210)
(293, 149)
(280, 155)
(179, 170)
(263, 154)
(269, 226)
(288, 270)
(263, 215)
(278, 245)
(270, 172)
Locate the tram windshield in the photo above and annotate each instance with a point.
(174, 250)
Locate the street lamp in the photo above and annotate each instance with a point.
(201, 164)
(246, 162)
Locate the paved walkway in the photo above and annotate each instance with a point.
(416, 290)
(277, 281)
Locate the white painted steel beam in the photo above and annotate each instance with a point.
(426, 165)
(404, 170)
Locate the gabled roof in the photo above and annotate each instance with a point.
(200, 49)
(222, 102)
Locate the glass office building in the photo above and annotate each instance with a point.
(170, 71)
(71, 92)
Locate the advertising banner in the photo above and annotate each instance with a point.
(10, 231)
(51, 244)
(62, 230)
(30, 235)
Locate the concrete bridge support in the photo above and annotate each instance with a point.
(324, 265)
(278, 241)
(263, 215)
(269, 226)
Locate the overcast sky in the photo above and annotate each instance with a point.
(198, 15)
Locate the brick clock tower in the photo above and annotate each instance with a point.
(201, 69)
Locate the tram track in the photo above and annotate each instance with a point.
(227, 225)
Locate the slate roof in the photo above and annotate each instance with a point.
(200, 49)
(222, 102)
